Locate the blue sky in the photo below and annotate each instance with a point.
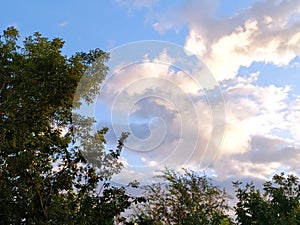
(104, 24)
(251, 47)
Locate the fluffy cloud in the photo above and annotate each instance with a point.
(256, 110)
(164, 111)
(251, 145)
(260, 136)
(266, 156)
(268, 32)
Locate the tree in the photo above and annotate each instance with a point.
(183, 198)
(278, 203)
(44, 176)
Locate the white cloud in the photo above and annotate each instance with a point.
(261, 135)
(247, 44)
(266, 156)
(250, 146)
(251, 111)
(293, 121)
(165, 110)
(268, 32)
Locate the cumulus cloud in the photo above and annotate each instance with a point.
(260, 136)
(155, 100)
(169, 114)
(254, 110)
(267, 155)
(268, 31)
(251, 145)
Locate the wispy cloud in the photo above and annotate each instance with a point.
(132, 5)
(136, 4)
(63, 24)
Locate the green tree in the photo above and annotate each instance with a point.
(183, 198)
(278, 203)
(44, 176)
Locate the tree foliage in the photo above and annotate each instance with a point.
(183, 199)
(277, 203)
(44, 176)
(187, 198)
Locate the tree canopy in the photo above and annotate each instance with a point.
(44, 179)
(187, 198)
(183, 198)
(277, 203)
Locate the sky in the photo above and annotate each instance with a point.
(211, 86)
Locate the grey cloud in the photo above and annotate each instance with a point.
(270, 149)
